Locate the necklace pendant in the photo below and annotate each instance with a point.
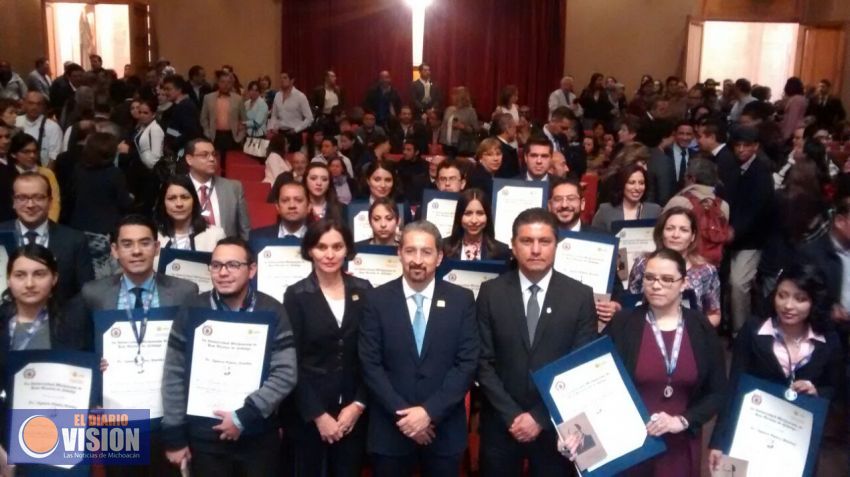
(668, 391)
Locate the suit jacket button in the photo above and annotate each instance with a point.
(340, 342)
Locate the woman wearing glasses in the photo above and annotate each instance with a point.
(325, 309)
(676, 362)
(179, 220)
(678, 229)
(794, 346)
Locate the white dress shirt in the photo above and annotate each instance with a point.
(213, 198)
(291, 113)
(525, 283)
(282, 232)
(43, 236)
(331, 100)
(51, 143)
(427, 294)
(337, 308)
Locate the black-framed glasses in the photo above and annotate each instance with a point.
(231, 266)
(666, 281)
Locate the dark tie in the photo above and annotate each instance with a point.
(138, 292)
(31, 236)
(532, 312)
(683, 164)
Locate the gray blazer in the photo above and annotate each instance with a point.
(232, 207)
(99, 295)
(607, 214)
(236, 120)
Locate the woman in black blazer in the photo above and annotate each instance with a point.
(472, 233)
(794, 347)
(680, 402)
(323, 416)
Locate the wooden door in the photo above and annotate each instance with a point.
(139, 37)
(693, 52)
(821, 54)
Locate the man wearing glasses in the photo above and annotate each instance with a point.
(31, 199)
(245, 441)
(138, 286)
(222, 200)
(450, 176)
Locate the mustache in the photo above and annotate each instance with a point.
(566, 209)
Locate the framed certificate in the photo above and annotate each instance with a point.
(590, 258)
(376, 263)
(590, 393)
(279, 265)
(772, 434)
(635, 240)
(8, 244)
(439, 209)
(227, 352)
(358, 219)
(188, 265)
(52, 379)
(510, 198)
(133, 379)
(470, 274)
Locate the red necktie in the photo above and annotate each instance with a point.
(206, 205)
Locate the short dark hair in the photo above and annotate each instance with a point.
(191, 145)
(133, 219)
(194, 70)
(672, 255)
(538, 141)
(794, 86)
(535, 215)
(40, 61)
(20, 141)
(94, 55)
(743, 85)
(33, 175)
(317, 229)
(287, 181)
(239, 242)
(100, 149)
(331, 140)
(449, 163)
(713, 127)
(562, 112)
(386, 202)
(72, 68)
(683, 122)
(177, 81)
(558, 181)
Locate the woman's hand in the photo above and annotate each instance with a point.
(662, 423)
(605, 310)
(328, 428)
(805, 387)
(714, 456)
(347, 417)
(103, 365)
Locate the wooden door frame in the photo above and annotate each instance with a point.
(844, 29)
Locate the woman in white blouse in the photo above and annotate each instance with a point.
(508, 99)
(178, 217)
(149, 136)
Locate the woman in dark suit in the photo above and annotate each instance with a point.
(682, 400)
(31, 320)
(325, 309)
(794, 347)
(472, 233)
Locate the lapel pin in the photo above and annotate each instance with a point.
(441, 304)
(548, 310)
(355, 297)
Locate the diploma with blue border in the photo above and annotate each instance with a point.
(470, 274)
(773, 435)
(133, 377)
(8, 244)
(589, 392)
(358, 219)
(439, 208)
(188, 265)
(228, 352)
(279, 265)
(378, 264)
(590, 258)
(510, 198)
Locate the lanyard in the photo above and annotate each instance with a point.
(40, 321)
(671, 361)
(792, 368)
(139, 332)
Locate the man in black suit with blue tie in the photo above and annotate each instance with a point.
(527, 318)
(418, 350)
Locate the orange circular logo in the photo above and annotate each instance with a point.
(38, 436)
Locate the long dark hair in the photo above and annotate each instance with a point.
(454, 243)
(622, 179)
(19, 142)
(809, 279)
(37, 253)
(372, 168)
(164, 222)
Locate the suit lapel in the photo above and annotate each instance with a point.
(166, 297)
(546, 311)
(406, 323)
(224, 204)
(435, 317)
(764, 350)
(517, 309)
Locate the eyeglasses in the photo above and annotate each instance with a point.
(205, 155)
(448, 180)
(231, 266)
(36, 199)
(666, 281)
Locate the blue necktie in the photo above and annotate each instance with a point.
(419, 322)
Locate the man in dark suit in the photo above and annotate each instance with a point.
(504, 128)
(711, 138)
(527, 318)
(538, 160)
(292, 206)
(62, 90)
(413, 172)
(418, 351)
(658, 135)
(383, 99)
(827, 109)
(424, 93)
(405, 129)
(181, 122)
(198, 86)
(7, 173)
(32, 199)
(669, 172)
(222, 200)
(134, 246)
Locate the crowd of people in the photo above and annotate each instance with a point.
(751, 199)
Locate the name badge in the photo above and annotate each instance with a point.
(441, 304)
(355, 297)
(548, 310)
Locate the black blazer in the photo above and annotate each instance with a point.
(477, 176)
(71, 250)
(328, 369)
(822, 254)
(753, 354)
(267, 232)
(317, 99)
(399, 378)
(499, 250)
(510, 162)
(661, 177)
(750, 196)
(567, 321)
(7, 178)
(417, 96)
(626, 330)
(184, 119)
(198, 99)
(101, 198)
(416, 133)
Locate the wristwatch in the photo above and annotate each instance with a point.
(684, 422)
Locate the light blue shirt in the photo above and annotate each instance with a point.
(126, 299)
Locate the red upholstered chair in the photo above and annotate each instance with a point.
(256, 191)
(261, 214)
(590, 184)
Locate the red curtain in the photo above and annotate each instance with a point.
(488, 44)
(355, 38)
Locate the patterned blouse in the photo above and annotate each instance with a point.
(702, 279)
